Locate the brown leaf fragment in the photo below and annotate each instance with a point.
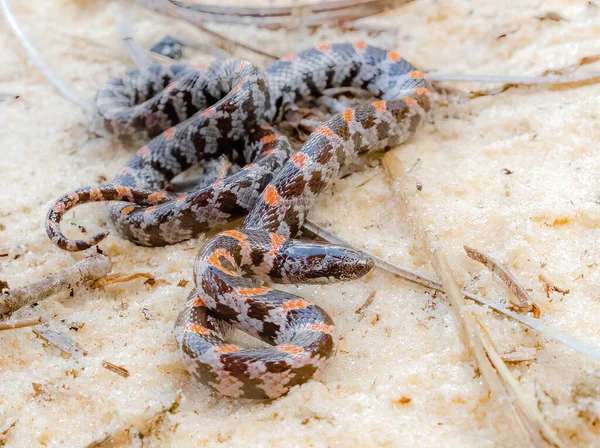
(183, 283)
(524, 302)
(549, 287)
(361, 309)
(122, 371)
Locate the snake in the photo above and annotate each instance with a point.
(229, 108)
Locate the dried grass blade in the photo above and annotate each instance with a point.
(470, 329)
(525, 302)
(528, 410)
(123, 278)
(516, 79)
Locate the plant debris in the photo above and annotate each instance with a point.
(552, 16)
(126, 434)
(122, 278)
(7, 325)
(521, 354)
(524, 302)
(361, 310)
(62, 342)
(526, 418)
(90, 268)
(13, 252)
(5, 433)
(549, 287)
(407, 274)
(402, 400)
(121, 371)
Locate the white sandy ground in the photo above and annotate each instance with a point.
(541, 218)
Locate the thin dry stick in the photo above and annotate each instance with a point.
(85, 270)
(406, 274)
(525, 302)
(37, 60)
(519, 416)
(165, 8)
(7, 325)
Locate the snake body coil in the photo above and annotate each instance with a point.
(277, 190)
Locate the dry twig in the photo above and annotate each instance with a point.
(522, 354)
(524, 302)
(90, 268)
(504, 388)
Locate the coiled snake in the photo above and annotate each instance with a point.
(228, 108)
